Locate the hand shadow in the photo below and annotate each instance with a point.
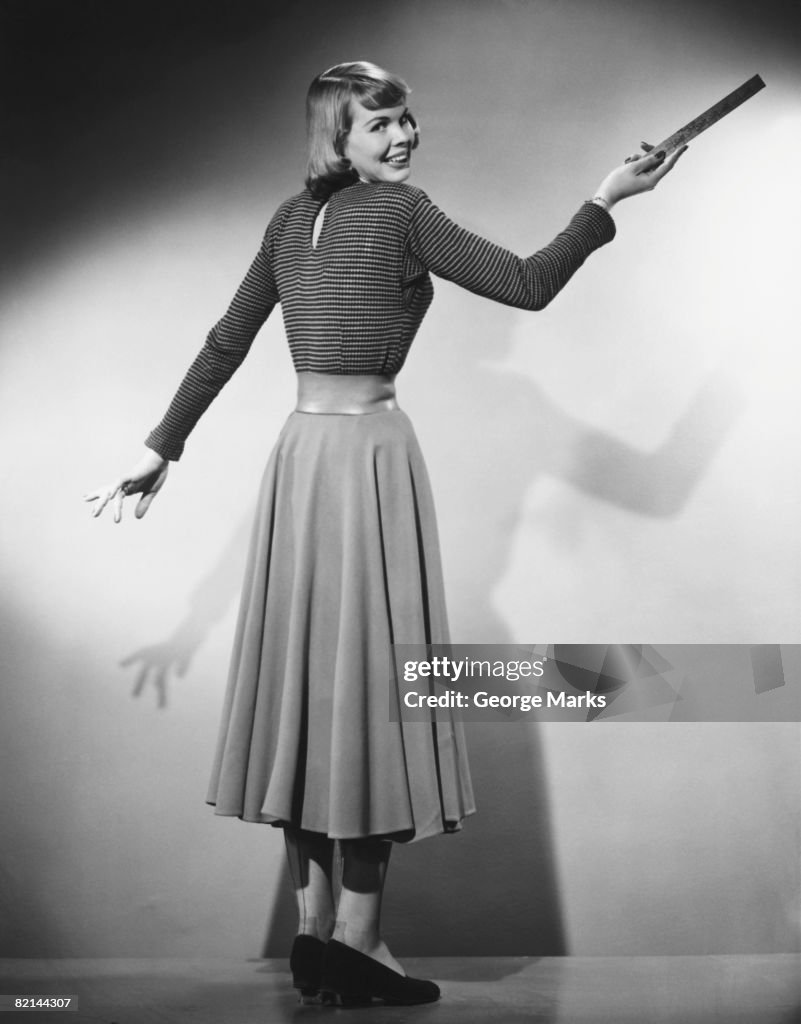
(655, 483)
(158, 663)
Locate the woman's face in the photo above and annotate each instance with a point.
(379, 143)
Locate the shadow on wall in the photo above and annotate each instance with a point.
(494, 890)
(505, 852)
(158, 662)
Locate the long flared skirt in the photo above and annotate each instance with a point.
(344, 561)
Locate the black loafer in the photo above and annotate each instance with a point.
(351, 978)
(306, 964)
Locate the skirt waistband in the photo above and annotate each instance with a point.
(353, 394)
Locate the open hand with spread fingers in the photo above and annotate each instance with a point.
(146, 478)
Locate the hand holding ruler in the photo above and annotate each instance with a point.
(709, 117)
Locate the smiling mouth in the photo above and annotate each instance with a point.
(397, 159)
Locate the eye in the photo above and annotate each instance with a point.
(378, 126)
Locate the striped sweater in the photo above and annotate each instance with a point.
(353, 302)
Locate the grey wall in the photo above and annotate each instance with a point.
(616, 468)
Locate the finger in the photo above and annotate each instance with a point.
(650, 162)
(144, 503)
(632, 158)
(161, 689)
(103, 498)
(669, 163)
(671, 160)
(141, 681)
(646, 146)
(129, 659)
(118, 499)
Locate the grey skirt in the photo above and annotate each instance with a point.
(344, 560)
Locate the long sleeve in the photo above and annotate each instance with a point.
(226, 346)
(458, 255)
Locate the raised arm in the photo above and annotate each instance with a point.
(458, 255)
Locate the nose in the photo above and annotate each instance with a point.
(401, 133)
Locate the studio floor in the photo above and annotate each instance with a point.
(574, 990)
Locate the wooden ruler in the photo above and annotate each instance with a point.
(709, 117)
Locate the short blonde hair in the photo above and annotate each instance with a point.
(328, 118)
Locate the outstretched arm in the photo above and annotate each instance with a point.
(226, 346)
(451, 252)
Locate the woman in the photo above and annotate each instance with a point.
(344, 558)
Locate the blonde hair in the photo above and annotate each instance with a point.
(328, 118)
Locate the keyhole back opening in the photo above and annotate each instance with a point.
(318, 224)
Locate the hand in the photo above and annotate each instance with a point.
(146, 478)
(158, 661)
(638, 173)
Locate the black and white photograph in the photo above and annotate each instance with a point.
(401, 605)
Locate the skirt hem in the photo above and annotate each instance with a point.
(409, 835)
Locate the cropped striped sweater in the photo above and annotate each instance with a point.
(354, 302)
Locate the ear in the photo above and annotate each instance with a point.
(415, 128)
(339, 143)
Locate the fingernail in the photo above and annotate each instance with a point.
(660, 155)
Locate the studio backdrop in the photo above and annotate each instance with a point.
(620, 467)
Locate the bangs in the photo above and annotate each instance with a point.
(376, 95)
